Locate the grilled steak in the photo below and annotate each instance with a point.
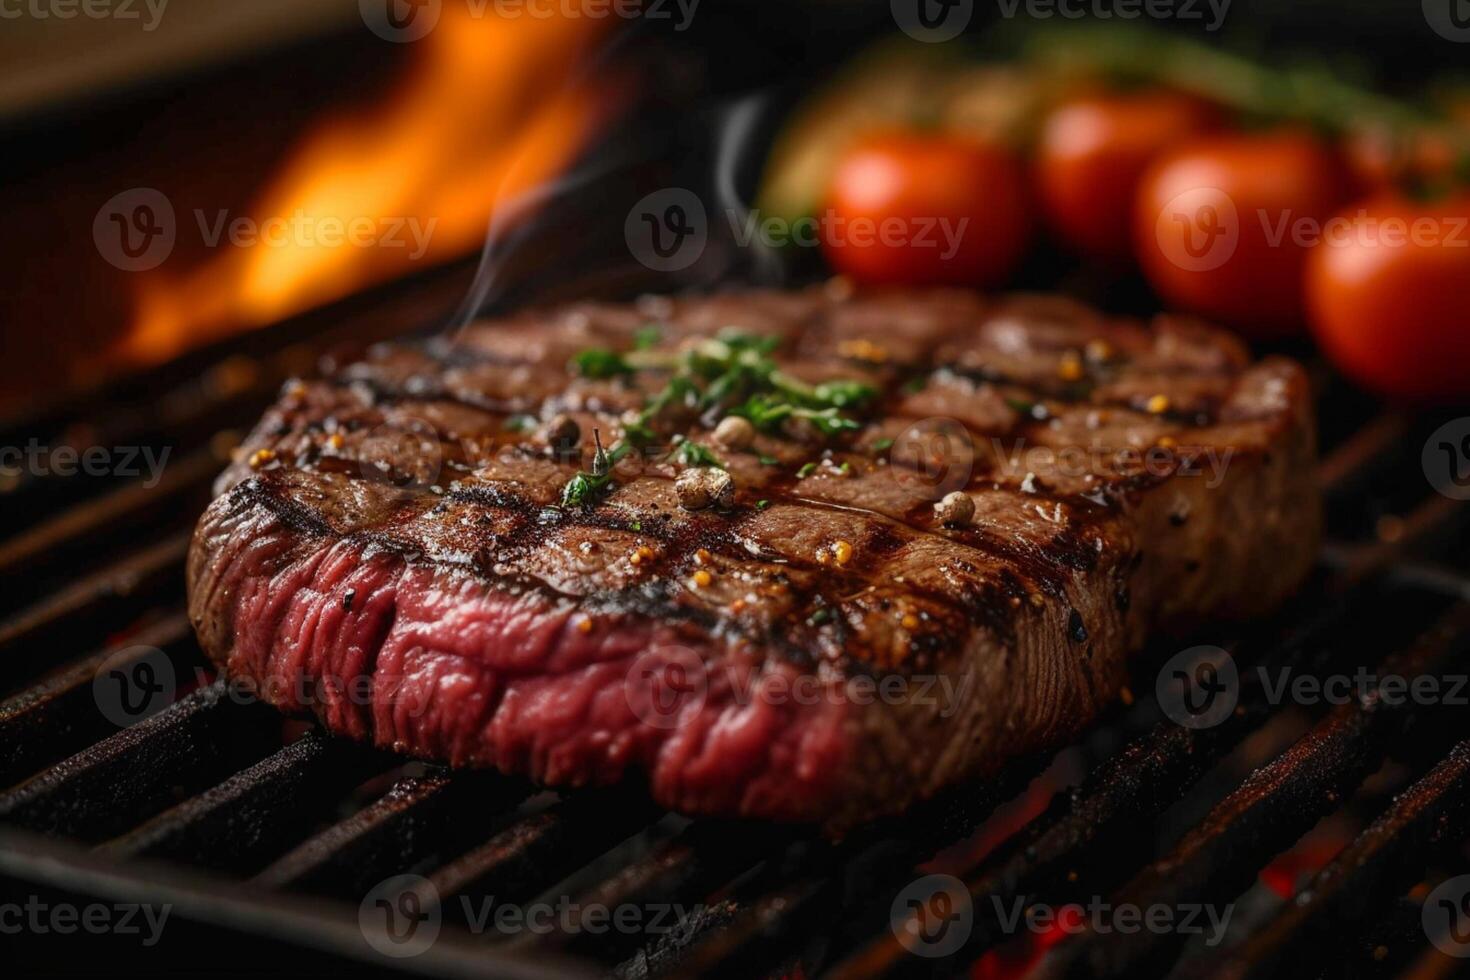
(428, 550)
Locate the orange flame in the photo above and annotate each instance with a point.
(369, 197)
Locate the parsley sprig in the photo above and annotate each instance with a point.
(585, 489)
(732, 374)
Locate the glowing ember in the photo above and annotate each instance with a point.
(492, 110)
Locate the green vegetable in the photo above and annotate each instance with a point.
(694, 454)
(807, 470)
(647, 337)
(731, 374)
(586, 489)
(1020, 405)
(601, 364)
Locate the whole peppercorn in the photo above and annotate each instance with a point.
(735, 433)
(563, 434)
(956, 508)
(703, 486)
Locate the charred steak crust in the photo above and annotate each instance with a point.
(390, 552)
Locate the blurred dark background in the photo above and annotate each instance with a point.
(210, 105)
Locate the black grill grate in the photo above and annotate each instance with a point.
(266, 835)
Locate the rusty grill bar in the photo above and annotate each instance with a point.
(249, 825)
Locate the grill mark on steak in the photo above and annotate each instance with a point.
(1044, 569)
(520, 627)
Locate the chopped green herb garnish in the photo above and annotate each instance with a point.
(732, 374)
(520, 423)
(636, 526)
(807, 470)
(823, 615)
(768, 412)
(762, 504)
(843, 394)
(601, 464)
(601, 364)
(882, 445)
(845, 469)
(691, 453)
(585, 489)
(647, 337)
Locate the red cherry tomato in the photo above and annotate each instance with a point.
(912, 208)
(1388, 289)
(1379, 161)
(1092, 154)
(1222, 226)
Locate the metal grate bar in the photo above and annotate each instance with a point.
(108, 787)
(1434, 965)
(1380, 863)
(794, 899)
(98, 604)
(59, 714)
(93, 527)
(1155, 770)
(535, 851)
(1273, 807)
(1098, 826)
(1362, 451)
(408, 826)
(686, 869)
(256, 813)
